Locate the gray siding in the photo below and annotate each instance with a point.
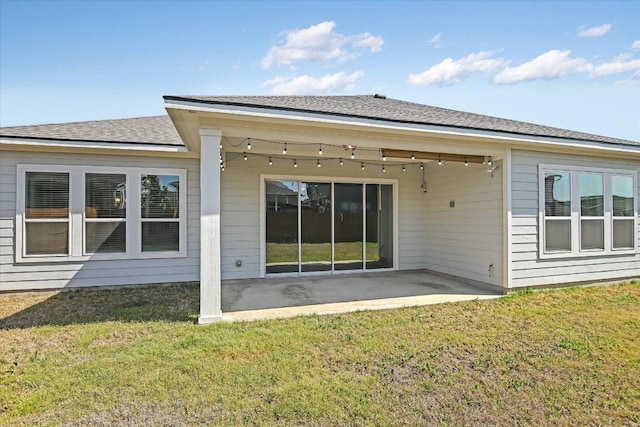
(93, 272)
(465, 240)
(240, 209)
(527, 268)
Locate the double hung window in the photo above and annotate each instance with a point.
(585, 211)
(78, 213)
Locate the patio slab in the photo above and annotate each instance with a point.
(271, 298)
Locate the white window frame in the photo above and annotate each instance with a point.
(77, 216)
(86, 220)
(576, 250)
(26, 220)
(333, 180)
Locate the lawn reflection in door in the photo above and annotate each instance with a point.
(324, 226)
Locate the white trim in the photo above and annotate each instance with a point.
(77, 213)
(93, 145)
(265, 112)
(576, 218)
(332, 180)
(507, 219)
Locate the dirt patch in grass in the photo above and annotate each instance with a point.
(562, 357)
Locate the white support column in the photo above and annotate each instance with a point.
(210, 289)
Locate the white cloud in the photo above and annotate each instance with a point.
(635, 45)
(435, 41)
(450, 72)
(597, 31)
(308, 85)
(549, 65)
(620, 64)
(368, 40)
(319, 43)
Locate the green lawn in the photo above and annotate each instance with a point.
(345, 251)
(135, 357)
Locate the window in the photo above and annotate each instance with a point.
(591, 211)
(623, 216)
(160, 203)
(584, 211)
(557, 206)
(77, 213)
(46, 213)
(105, 213)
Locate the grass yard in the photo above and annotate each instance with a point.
(135, 357)
(345, 251)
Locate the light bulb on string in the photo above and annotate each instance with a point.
(404, 169)
(249, 144)
(270, 161)
(244, 156)
(341, 161)
(319, 165)
(320, 150)
(284, 149)
(295, 163)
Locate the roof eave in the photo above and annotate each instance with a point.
(176, 105)
(17, 141)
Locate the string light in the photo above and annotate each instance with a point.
(244, 156)
(413, 156)
(466, 163)
(353, 153)
(319, 165)
(421, 166)
(284, 150)
(404, 169)
(383, 169)
(439, 161)
(384, 158)
(222, 167)
(295, 163)
(320, 150)
(361, 166)
(249, 144)
(490, 161)
(341, 162)
(270, 161)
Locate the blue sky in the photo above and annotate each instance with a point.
(574, 65)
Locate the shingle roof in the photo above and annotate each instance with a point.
(156, 130)
(159, 130)
(381, 108)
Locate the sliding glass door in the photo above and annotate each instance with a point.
(315, 230)
(282, 226)
(348, 223)
(325, 226)
(379, 242)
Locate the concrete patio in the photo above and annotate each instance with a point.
(294, 296)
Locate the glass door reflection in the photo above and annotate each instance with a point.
(348, 222)
(282, 226)
(315, 226)
(379, 242)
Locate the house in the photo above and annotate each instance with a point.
(256, 186)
